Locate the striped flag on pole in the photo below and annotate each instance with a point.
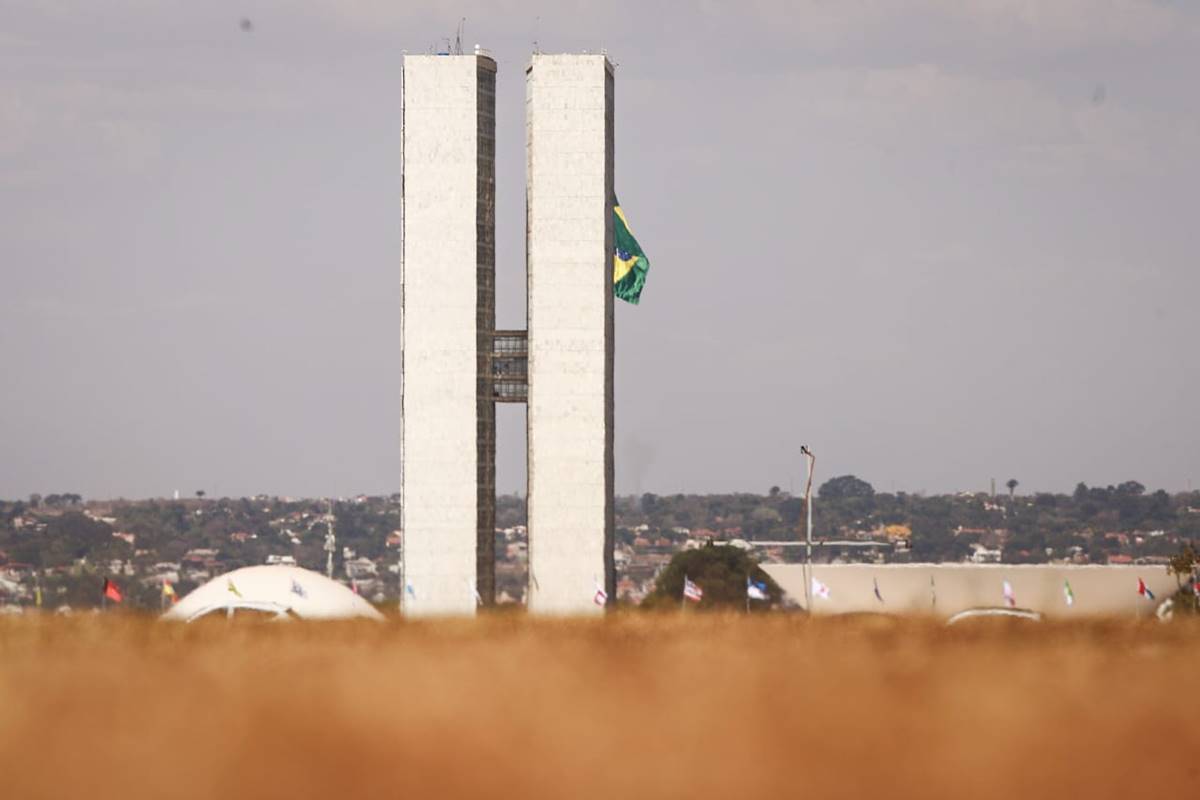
(1144, 590)
(1010, 598)
(819, 589)
(691, 591)
(600, 597)
(1068, 595)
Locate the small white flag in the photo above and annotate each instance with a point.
(1010, 599)
(600, 597)
(819, 589)
(756, 590)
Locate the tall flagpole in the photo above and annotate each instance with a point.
(809, 461)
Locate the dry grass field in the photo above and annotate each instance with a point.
(628, 707)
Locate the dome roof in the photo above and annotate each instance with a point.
(280, 590)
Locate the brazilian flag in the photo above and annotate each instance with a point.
(629, 262)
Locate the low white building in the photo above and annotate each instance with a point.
(276, 591)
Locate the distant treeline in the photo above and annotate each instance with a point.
(62, 535)
(1093, 522)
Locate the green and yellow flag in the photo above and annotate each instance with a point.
(629, 262)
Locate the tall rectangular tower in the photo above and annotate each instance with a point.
(448, 274)
(569, 246)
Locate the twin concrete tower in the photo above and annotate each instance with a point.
(457, 366)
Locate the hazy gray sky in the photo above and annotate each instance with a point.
(939, 241)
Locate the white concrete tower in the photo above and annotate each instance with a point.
(448, 274)
(569, 207)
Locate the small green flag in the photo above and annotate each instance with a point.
(629, 262)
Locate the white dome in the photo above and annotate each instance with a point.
(280, 590)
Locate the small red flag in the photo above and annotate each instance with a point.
(111, 591)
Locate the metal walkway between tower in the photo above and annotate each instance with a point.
(510, 367)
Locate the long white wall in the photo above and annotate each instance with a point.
(906, 588)
(569, 185)
(440, 346)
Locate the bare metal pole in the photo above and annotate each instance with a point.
(810, 461)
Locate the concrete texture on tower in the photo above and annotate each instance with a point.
(448, 274)
(569, 187)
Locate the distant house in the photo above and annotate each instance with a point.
(984, 555)
(360, 568)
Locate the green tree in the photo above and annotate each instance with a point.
(1183, 565)
(845, 486)
(721, 572)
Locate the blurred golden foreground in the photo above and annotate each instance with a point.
(627, 707)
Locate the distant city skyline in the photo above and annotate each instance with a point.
(938, 243)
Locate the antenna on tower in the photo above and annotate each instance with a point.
(458, 37)
(536, 22)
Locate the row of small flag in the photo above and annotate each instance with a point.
(599, 596)
(110, 591)
(755, 590)
(822, 591)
